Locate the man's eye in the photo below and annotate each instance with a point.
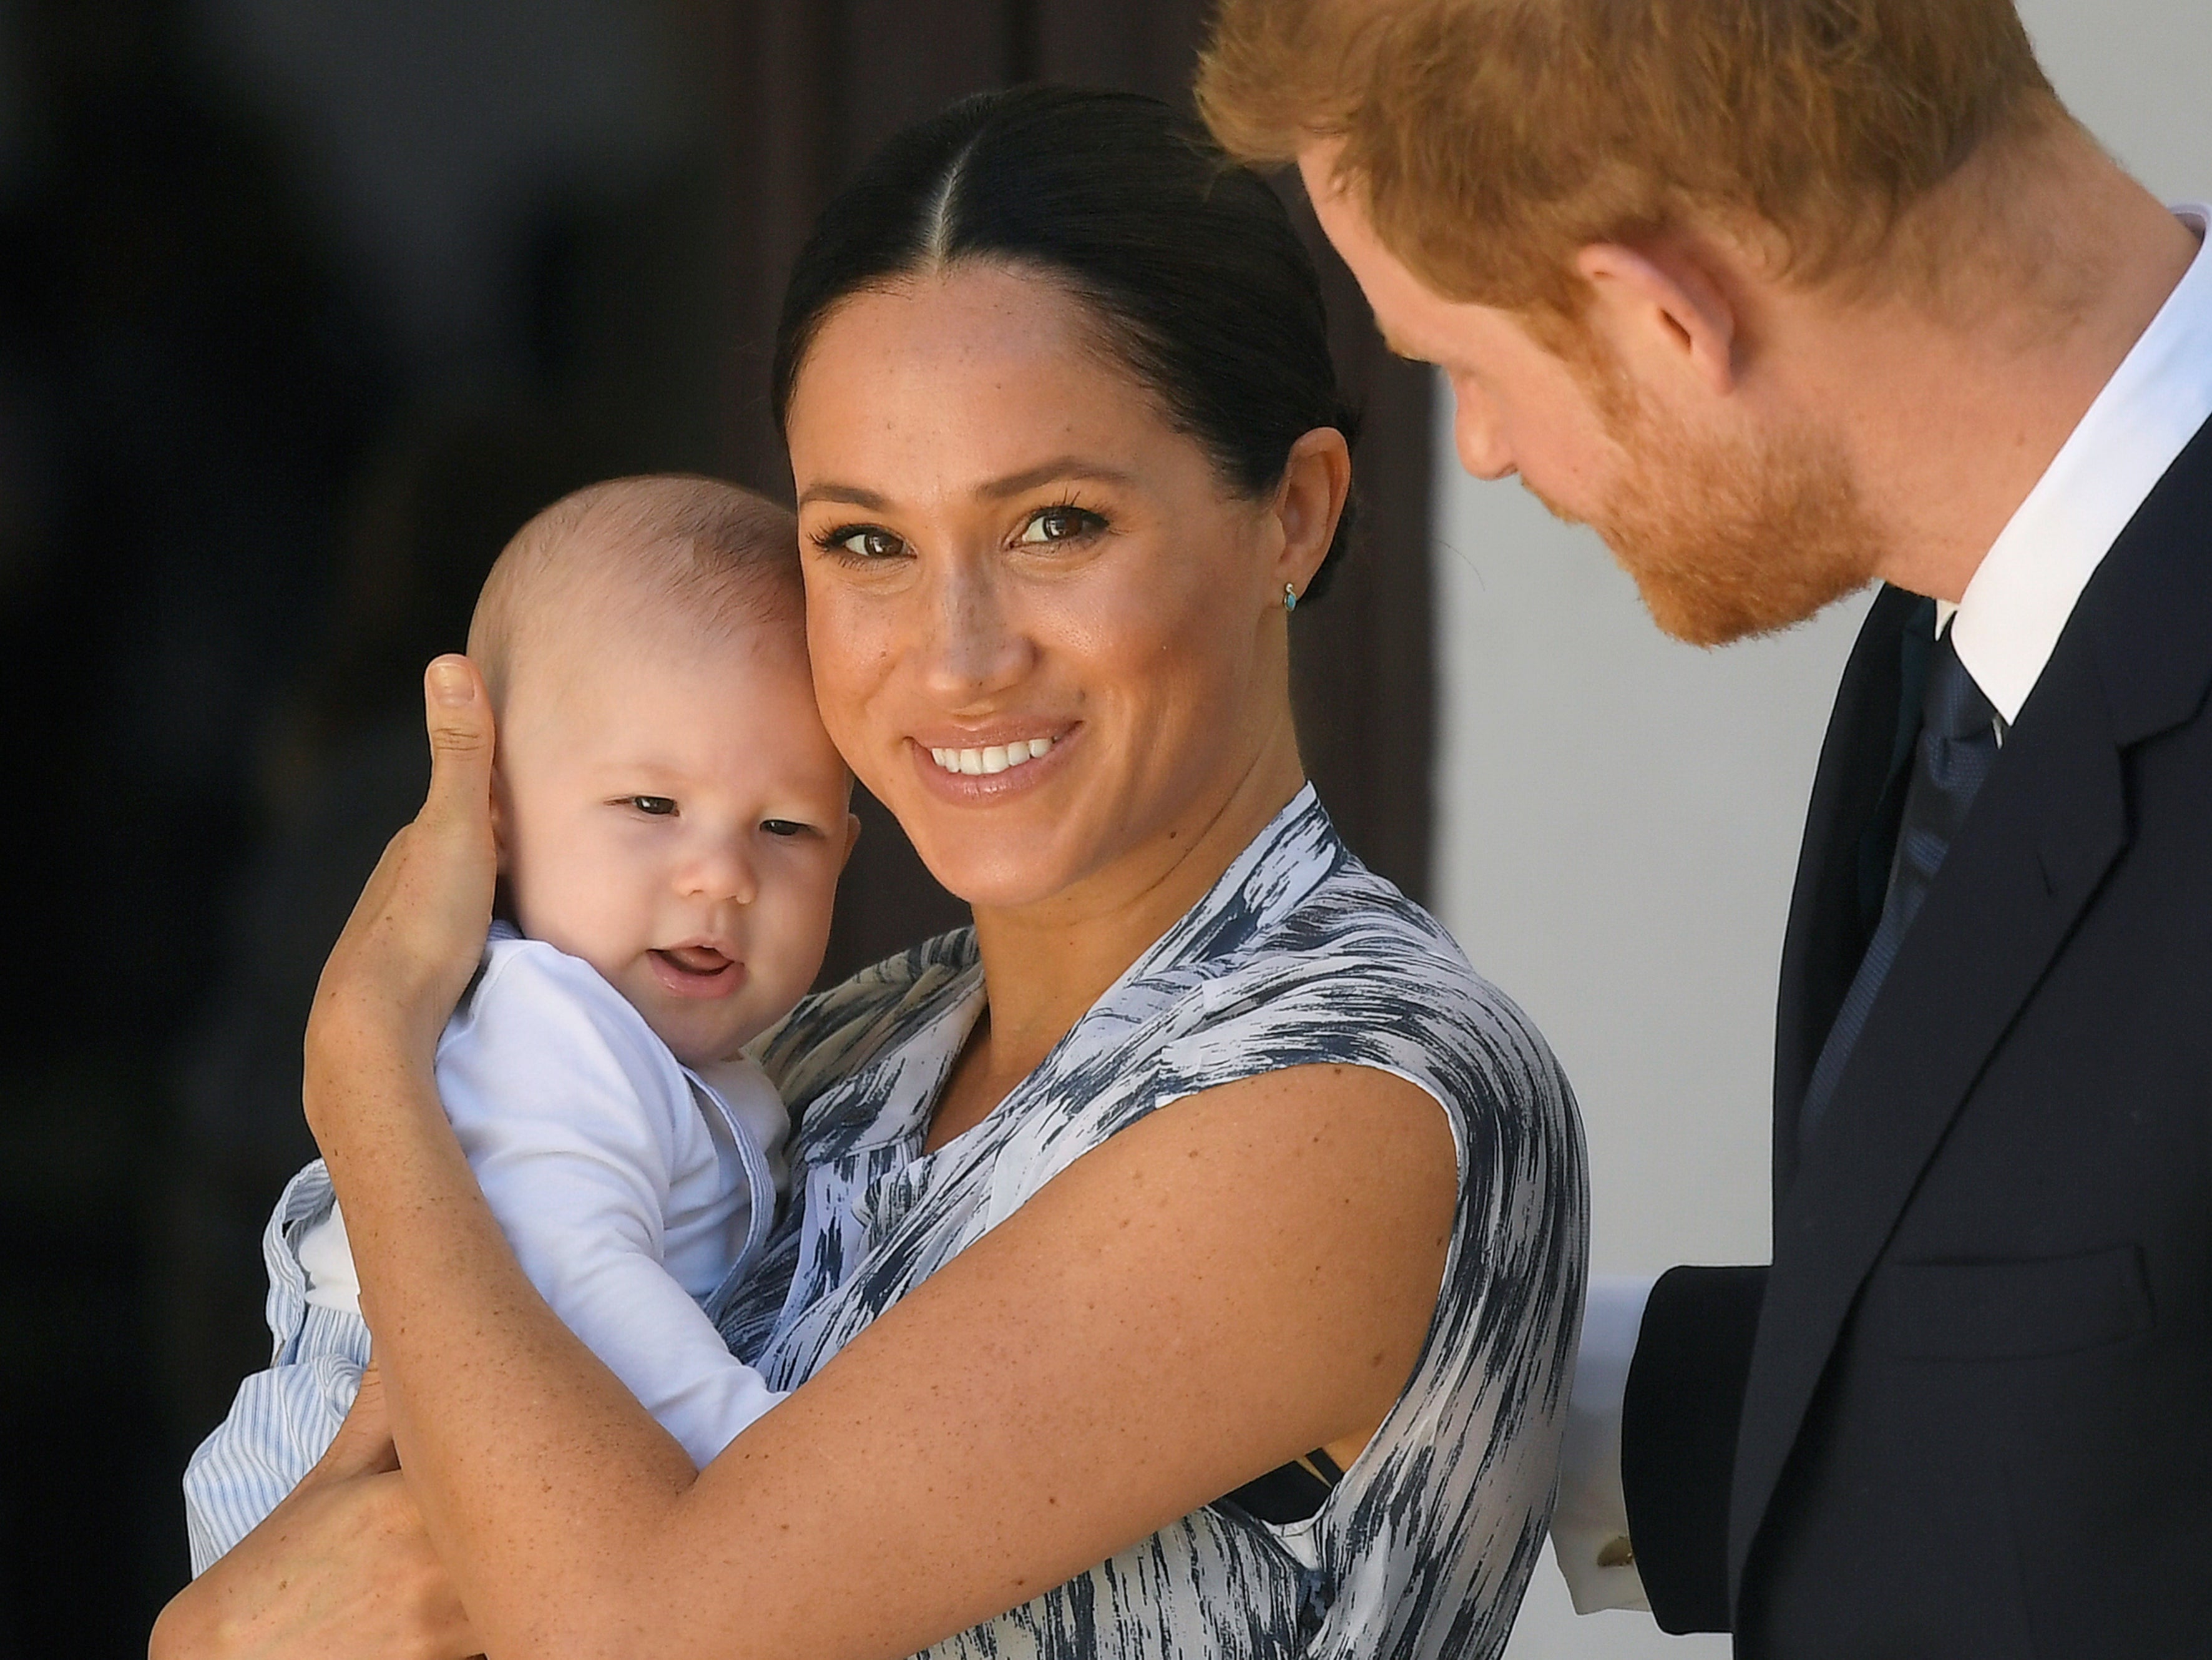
(1060, 523)
(784, 827)
(655, 806)
(865, 542)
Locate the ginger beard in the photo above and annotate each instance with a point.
(1727, 540)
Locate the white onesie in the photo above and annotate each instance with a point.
(635, 1190)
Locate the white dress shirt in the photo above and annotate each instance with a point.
(2005, 627)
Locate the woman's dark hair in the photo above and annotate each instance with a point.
(1189, 260)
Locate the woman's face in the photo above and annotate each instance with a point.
(1045, 631)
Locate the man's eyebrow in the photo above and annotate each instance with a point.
(998, 490)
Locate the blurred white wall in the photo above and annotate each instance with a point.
(1619, 815)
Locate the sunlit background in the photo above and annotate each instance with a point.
(1617, 816)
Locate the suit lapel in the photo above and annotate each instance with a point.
(1869, 735)
(2048, 823)
(2134, 661)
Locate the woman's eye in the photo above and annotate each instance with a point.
(865, 542)
(1062, 524)
(653, 806)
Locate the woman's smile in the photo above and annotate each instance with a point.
(991, 757)
(984, 774)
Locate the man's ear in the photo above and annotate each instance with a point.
(1662, 308)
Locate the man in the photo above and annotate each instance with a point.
(1783, 297)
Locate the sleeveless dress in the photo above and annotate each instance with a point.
(1297, 956)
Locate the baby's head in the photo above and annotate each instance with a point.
(668, 806)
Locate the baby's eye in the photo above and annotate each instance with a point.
(863, 541)
(653, 806)
(1060, 523)
(786, 827)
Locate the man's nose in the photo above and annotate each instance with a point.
(1479, 438)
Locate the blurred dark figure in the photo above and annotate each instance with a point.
(203, 389)
(229, 540)
(187, 389)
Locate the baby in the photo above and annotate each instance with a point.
(671, 821)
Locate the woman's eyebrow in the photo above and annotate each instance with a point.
(1047, 472)
(851, 494)
(1014, 483)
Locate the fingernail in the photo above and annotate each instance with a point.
(449, 682)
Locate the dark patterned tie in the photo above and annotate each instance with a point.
(1958, 743)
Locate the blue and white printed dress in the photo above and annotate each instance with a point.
(1298, 956)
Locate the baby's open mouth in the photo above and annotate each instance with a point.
(703, 961)
(701, 971)
(697, 971)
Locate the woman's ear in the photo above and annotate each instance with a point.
(1309, 503)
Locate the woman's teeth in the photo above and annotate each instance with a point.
(995, 758)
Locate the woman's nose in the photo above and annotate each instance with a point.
(974, 649)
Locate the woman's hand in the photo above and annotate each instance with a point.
(418, 932)
(341, 1570)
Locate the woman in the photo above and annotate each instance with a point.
(1185, 1261)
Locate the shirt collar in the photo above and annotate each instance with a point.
(2008, 621)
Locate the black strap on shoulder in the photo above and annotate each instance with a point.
(1291, 1493)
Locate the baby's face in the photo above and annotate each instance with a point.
(671, 810)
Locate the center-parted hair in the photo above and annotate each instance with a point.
(1187, 262)
(668, 548)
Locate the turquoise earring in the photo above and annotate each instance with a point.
(1290, 598)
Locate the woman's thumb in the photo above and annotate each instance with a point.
(458, 711)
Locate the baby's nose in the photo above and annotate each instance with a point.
(723, 871)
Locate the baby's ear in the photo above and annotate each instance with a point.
(498, 812)
(852, 838)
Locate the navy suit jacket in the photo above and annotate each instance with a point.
(1967, 1410)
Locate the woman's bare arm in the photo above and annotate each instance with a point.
(353, 1570)
(1132, 1343)
(1243, 1276)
